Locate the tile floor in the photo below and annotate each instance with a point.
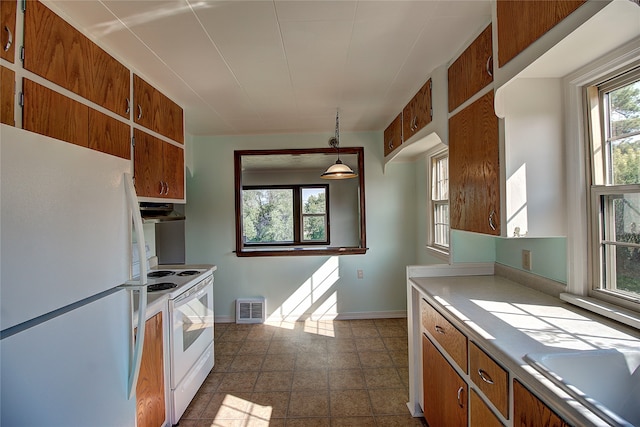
(334, 373)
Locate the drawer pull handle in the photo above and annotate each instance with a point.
(439, 329)
(9, 38)
(139, 112)
(489, 66)
(460, 404)
(491, 223)
(126, 111)
(485, 376)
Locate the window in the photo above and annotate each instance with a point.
(285, 215)
(614, 124)
(439, 201)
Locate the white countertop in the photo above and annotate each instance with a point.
(511, 320)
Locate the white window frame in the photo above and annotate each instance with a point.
(433, 248)
(580, 275)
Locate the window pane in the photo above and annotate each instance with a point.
(441, 224)
(625, 158)
(314, 228)
(624, 107)
(621, 217)
(267, 215)
(313, 201)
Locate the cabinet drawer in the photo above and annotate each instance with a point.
(490, 377)
(451, 339)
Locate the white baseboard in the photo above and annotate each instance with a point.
(360, 315)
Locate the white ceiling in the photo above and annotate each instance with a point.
(266, 67)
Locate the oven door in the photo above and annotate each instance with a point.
(192, 328)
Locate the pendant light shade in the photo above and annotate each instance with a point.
(338, 170)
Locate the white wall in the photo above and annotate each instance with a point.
(391, 237)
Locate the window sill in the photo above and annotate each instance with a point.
(611, 311)
(438, 253)
(299, 251)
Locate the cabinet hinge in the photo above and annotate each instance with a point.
(22, 53)
(133, 141)
(24, 5)
(431, 112)
(21, 100)
(430, 85)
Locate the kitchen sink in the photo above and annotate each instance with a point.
(605, 381)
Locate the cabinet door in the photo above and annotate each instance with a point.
(110, 82)
(445, 393)
(7, 96)
(55, 50)
(150, 403)
(520, 23)
(109, 135)
(472, 71)
(393, 135)
(8, 28)
(529, 411)
(417, 114)
(474, 188)
(481, 415)
(147, 164)
(144, 109)
(49, 113)
(173, 171)
(171, 123)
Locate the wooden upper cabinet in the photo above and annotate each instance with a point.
(474, 168)
(52, 114)
(109, 135)
(155, 111)
(520, 23)
(418, 113)
(393, 135)
(8, 28)
(158, 167)
(529, 411)
(472, 71)
(56, 51)
(7, 96)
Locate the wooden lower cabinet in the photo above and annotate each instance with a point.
(445, 393)
(529, 411)
(150, 395)
(7, 96)
(480, 414)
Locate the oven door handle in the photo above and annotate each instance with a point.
(188, 296)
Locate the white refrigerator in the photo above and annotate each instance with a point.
(66, 345)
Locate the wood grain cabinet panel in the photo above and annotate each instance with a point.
(56, 51)
(150, 396)
(490, 378)
(155, 111)
(417, 114)
(8, 29)
(472, 70)
(529, 411)
(158, 167)
(445, 392)
(7, 96)
(49, 113)
(474, 168)
(520, 23)
(480, 414)
(393, 135)
(448, 336)
(109, 135)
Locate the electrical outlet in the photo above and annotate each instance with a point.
(360, 274)
(526, 259)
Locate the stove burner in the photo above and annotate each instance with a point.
(188, 273)
(161, 286)
(160, 273)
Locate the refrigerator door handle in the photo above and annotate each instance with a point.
(140, 286)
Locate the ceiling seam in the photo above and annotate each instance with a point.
(165, 64)
(286, 58)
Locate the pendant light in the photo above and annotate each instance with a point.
(338, 170)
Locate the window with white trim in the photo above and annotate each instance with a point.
(613, 116)
(439, 202)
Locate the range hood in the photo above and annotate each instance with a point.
(159, 212)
